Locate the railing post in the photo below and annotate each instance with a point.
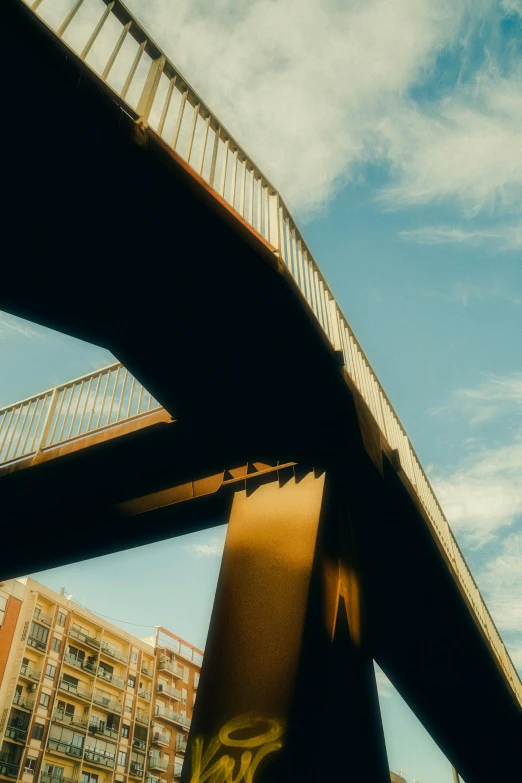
(274, 233)
(41, 443)
(150, 88)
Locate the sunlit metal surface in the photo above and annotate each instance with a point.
(113, 44)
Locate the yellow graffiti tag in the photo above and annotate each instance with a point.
(263, 736)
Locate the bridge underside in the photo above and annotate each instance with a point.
(110, 238)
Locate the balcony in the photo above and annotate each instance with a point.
(78, 633)
(23, 701)
(101, 757)
(55, 745)
(147, 670)
(156, 763)
(15, 733)
(112, 652)
(36, 644)
(108, 677)
(139, 744)
(79, 663)
(173, 668)
(102, 729)
(8, 769)
(75, 690)
(108, 704)
(142, 717)
(161, 739)
(136, 769)
(172, 692)
(175, 717)
(181, 745)
(59, 716)
(46, 778)
(143, 694)
(29, 673)
(46, 619)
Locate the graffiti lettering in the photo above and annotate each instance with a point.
(259, 736)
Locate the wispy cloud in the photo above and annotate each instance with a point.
(212, 548)
(507, 237)
(384, 686)
(501, 581)
(495, 396)
(11, 326)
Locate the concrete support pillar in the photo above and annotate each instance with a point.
(287, 692)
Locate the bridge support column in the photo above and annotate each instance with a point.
(287, 692)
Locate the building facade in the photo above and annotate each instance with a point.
(81, 700)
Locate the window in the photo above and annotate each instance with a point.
(88, 777)
(183, 695)
(194, 694)
(39, 634)
(60, 620)
(56, 644)
(131, 682)
(70, 680)
(30, 765)
(122, 757)
(125, 731)
(44, 700)
(3, 604)
(38, 731)
(54, 770)
(79, 654)
(50, 671)
(178, 763)
(186, 671)
(196, 679)
(134, 656)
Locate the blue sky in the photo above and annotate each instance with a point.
(393, 131)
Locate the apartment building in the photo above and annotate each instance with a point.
(178, 666)
(81, 700)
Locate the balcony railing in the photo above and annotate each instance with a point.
(23, 701)
(173, 692)
(80, 663)
(136, 769)
(112, 706)
(101, 757)
(46, 619)
(161, 739)
(147, 670)
(8, 769)
(37, 644)
(173, 716)
(45, 777)
(114, 653)
(60, 716)
(139, 744)
(142, 717)
(15, 733)
(28, 671)
(173, 668)
(63, 746)
(108, 677)
(86, 638)
(181, 745)
(143, 694)
(100, 728)
(156, 763)
(75, 690)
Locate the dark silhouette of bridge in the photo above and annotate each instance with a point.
(135, 221)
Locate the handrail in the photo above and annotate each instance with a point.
(165, 101)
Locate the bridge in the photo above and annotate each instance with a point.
(137, 222)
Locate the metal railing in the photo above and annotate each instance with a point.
(28, 671)
(173, 668)
(176, 717)
(113, 651)
(23, 701)
(154, 92)
(109, 704)
(80, 663)
(174, 692)
(112, 678)
(94, 402)
(75, 690)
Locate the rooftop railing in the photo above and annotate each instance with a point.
(119, 52)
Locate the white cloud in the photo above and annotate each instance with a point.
(11, 326)
(495, 396)
(384, 686)
(212, 548)
(506, 237)
(501, 580)
(307, 88)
